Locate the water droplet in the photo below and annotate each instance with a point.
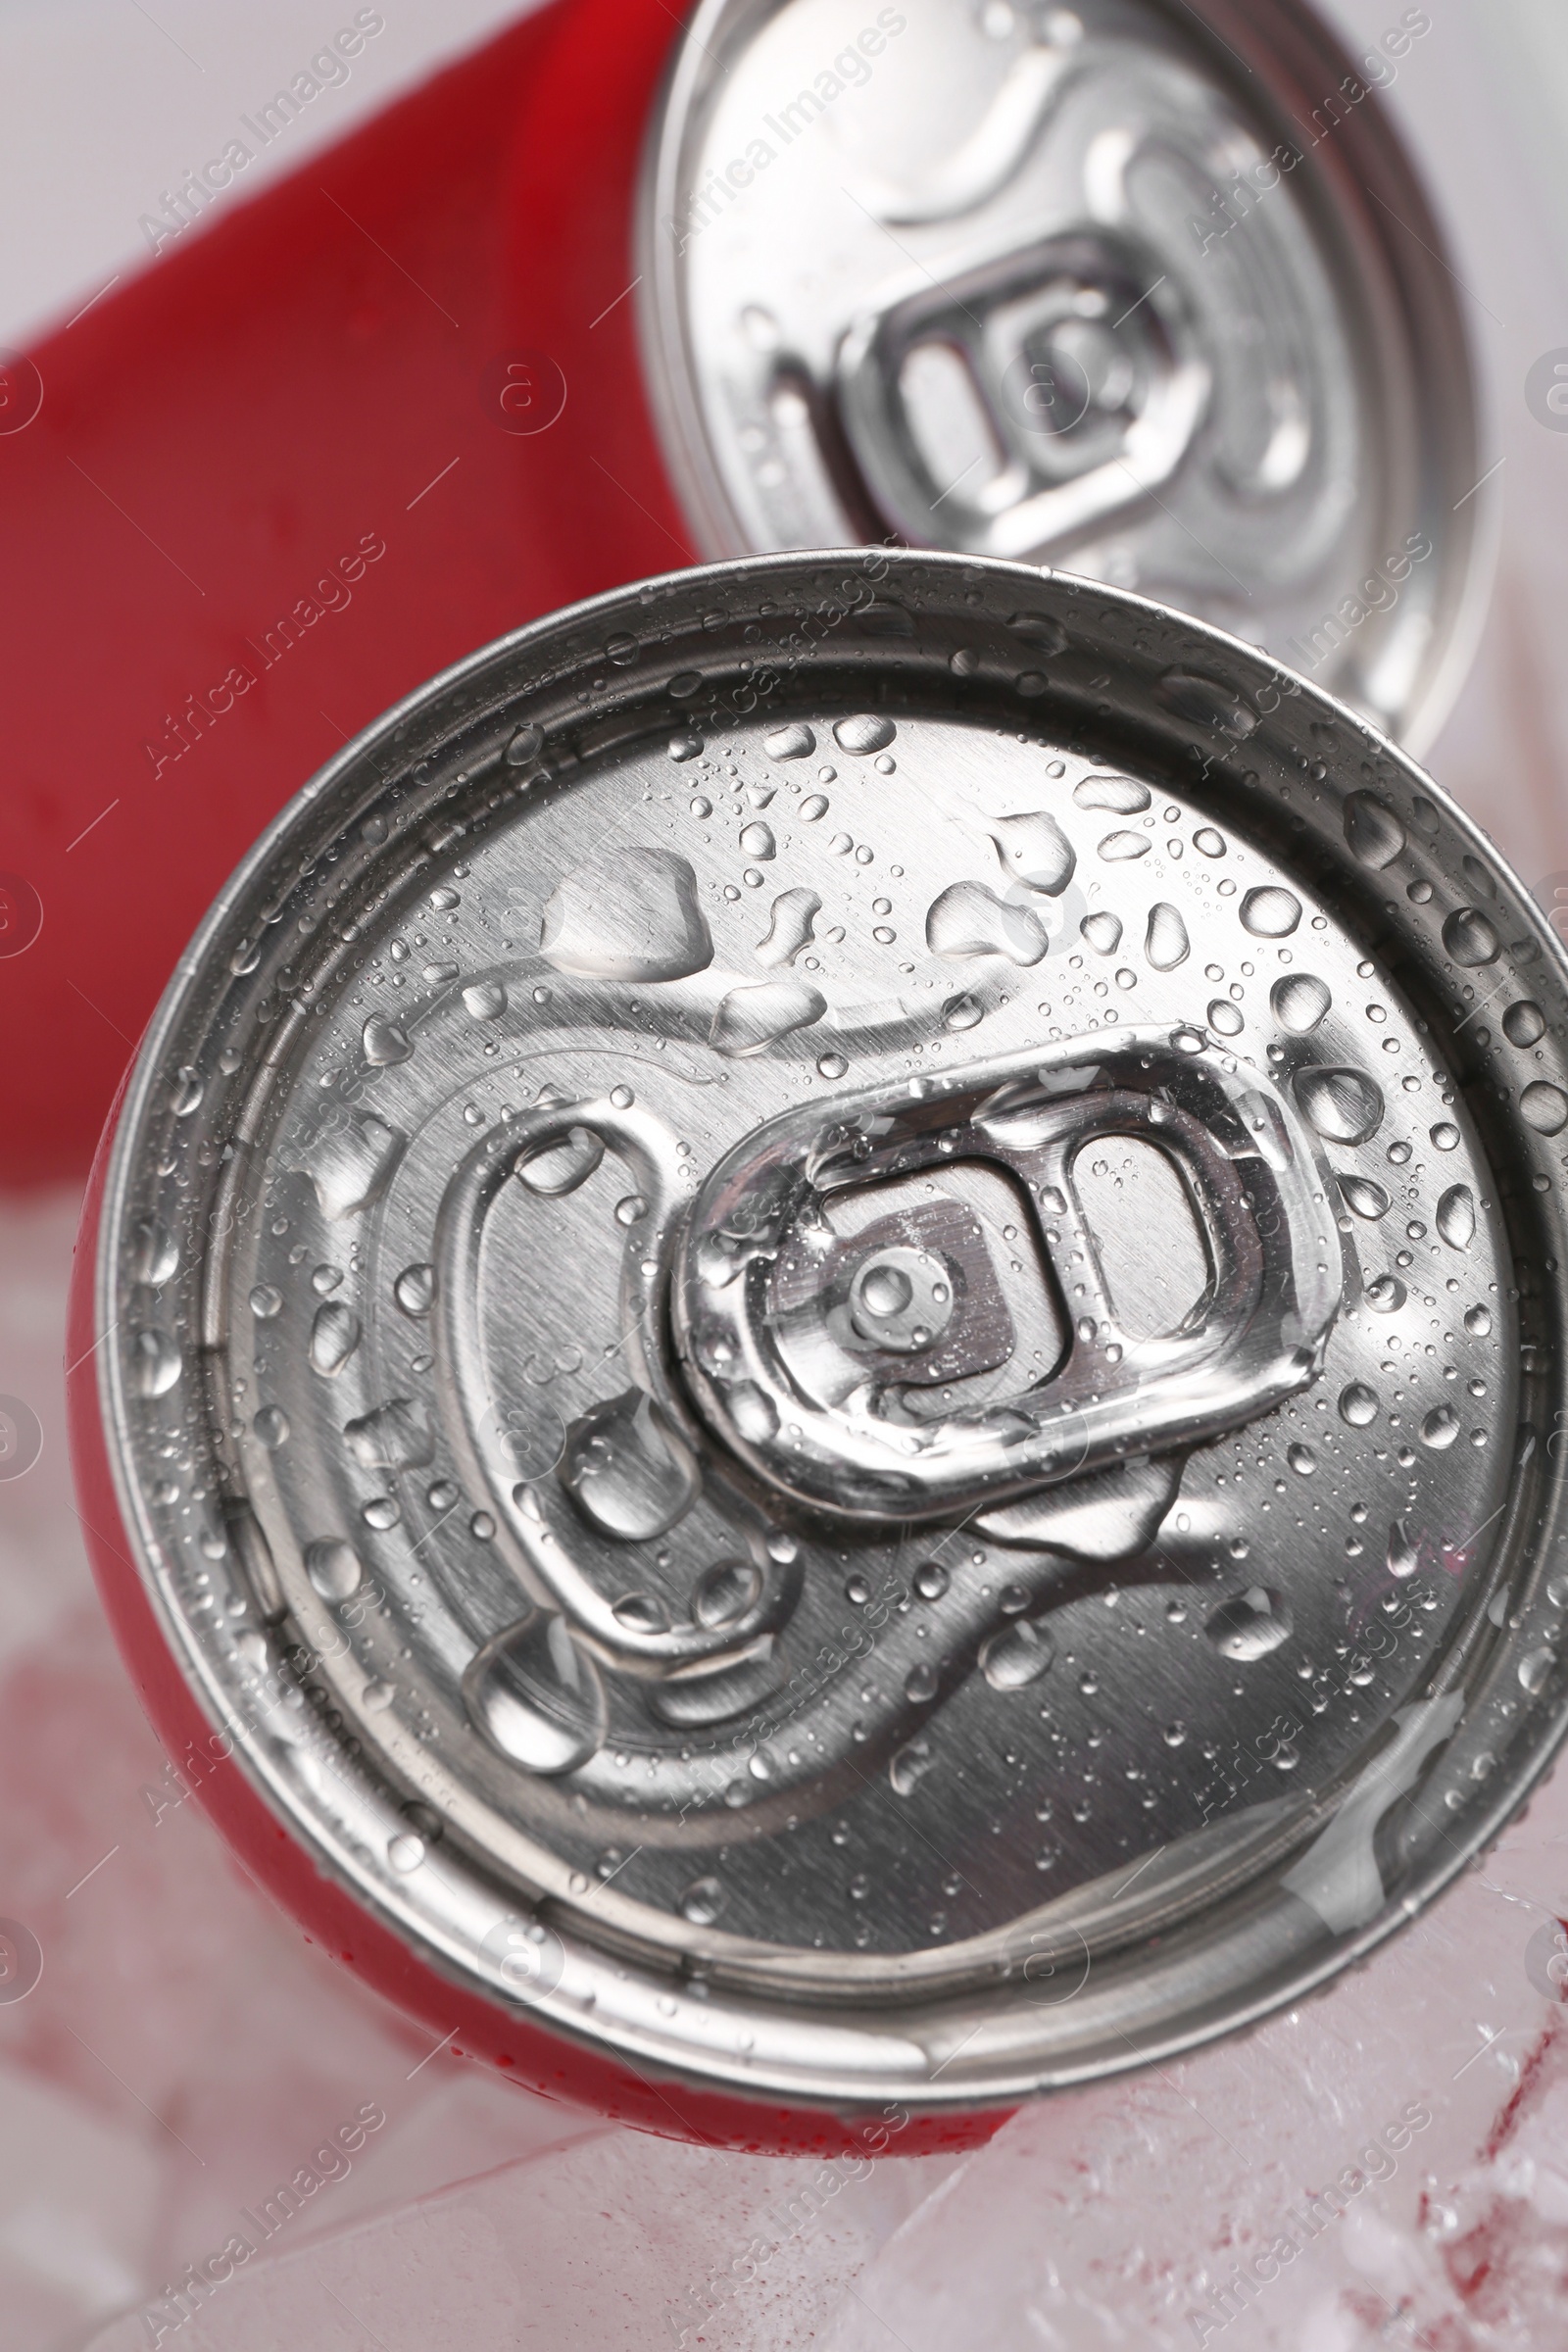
(1403, 1554)
(761, 1012)
(525, 747)
(266, 1303)
(1102, 931)
(813, 808)
(1250, 1624)
(931, 1580)
(1455, 1218)
(155, 1255)
(1535, 1671)
(333, 1567)
(350, 1165)
(1358, 1404)
(1208, 842)
(863, 734)
(963, 1012)
(559, 1167)
(1363, 1198)
(1470, 939)
(385, 1041)
(1445, 1136)
(685, 745)
(641, 1613)
(1016, 1656)
(1270, 912)
(626, 1470)
(1166, 943)
(790, 743)
(1208, 703)
(334, 1335)
(1440, 1427)
(1035, 851)
(156, 1361)
(1039, 629)
(1225, 1017)
(414, 1289)
(1119, 795)
(1299, 1002)
(756, 841)
(537, 1697)
(1119, 849)
(831, 1065)
(406, 1851)
(790, 926)
(187, 1093)
(725, 1593)
(1302, 1461)
(381, 1513)
(1372, 831)
(1478, 1322)
(908, 1766)
(1346, 1107)
(395, 1436)
(630, 1209)
(921, 1684)
(1386, 1295)
(1545, 1107)
(272, 1427)
(702, 1902)
(630, 915)
(485, 1000)
(1524, 1023)
(967, 919)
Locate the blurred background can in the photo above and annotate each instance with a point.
(1146, 291)
(1152, 292)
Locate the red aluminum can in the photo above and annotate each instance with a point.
(695, 1299)
(514, 336)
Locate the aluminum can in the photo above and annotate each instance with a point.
(817, 1361)
(1320, 495)
(1147, 290)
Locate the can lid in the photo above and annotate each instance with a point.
(1144, 289)
(829, 1307)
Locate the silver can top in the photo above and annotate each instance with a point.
(1141, 288)
(830, 1318)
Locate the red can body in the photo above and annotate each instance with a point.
(271, 487)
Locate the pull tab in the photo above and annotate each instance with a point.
(814, 1340)
(1022, 402)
